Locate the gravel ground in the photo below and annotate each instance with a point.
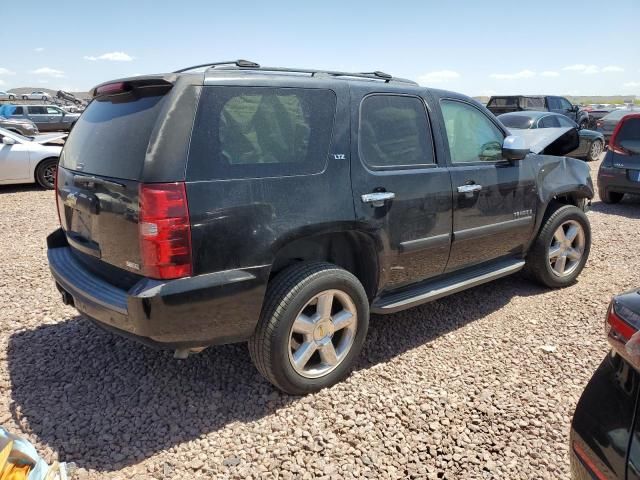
(464, 387)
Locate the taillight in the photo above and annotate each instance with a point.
(588, 462)
(55, 192)
(622, 332)
(599, 124)
(111, 88)
(165, 230)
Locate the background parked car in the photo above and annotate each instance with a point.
(591, 142)
(27, 160)
(620, 170)
(605, 434)
(7, 95)
(607, 124)
(48, 118)
(517, 103)
(20, 126)
(36, 96)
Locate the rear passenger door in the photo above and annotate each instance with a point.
(38, 115)
(401, 192)
(494, 199)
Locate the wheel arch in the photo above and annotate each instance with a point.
(351, 249)
(40, 162)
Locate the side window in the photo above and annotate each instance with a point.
(566, 122)
(253, 132)
(472, 136)
(550, 121)
(18, 111)
(394, 132)
(53, 111)
(37, 110)
(565, 104)
(554, 103)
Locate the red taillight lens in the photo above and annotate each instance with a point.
(598, 124)
(622, 332)
(588, 462)
(111, 88)
(617, 328)
(165, 230)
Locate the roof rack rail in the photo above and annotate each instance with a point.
(238, 63)
(248, 65)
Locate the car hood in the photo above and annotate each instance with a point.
(50, 137)
(556, 141)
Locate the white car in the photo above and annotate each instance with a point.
(36, 96)
(29, 159)
(7, 95)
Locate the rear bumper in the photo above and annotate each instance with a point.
(208, 309)
(616, 180)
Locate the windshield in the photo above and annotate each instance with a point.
(510, 120)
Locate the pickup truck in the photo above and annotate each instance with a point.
(282, 206)
(499, 104)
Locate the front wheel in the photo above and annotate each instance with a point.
(12, 97)
(312, 327)
(561, 248)
(24, 97)
(595, 151)
(46, 173)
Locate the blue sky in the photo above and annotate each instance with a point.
(583, 47)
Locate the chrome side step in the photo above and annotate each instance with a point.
(435, 289)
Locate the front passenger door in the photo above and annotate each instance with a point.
(55, 116)
(494, 199)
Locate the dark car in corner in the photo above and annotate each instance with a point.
(605, 431)
(619, 172)
(499, 104)
(282, 206)
(591, 142)
(608, 123)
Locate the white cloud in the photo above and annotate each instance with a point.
(39, 49)
(549, 73)
(438, 77)
(593, 69)
(51, 72)
(6, 71)
(632, 84)
(111, 56)
(513, 76)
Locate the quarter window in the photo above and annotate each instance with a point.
(394, 132)
(550, 121)
(471, 135)
(251, 132)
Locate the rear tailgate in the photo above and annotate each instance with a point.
(101, 169)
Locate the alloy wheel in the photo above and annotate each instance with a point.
(49, 175)
(323, 333)
(596, 149)
(567, 248)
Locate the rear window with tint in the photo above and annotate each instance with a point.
(532, 103)
(111, 139)
(503, 102)
(251, 132)
(515, 121)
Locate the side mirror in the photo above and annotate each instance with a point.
(514, 148)
(8, 141)
(575, 108)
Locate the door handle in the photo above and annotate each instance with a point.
(469, 188)
(377, 199)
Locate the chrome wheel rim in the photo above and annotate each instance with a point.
(49, 175)
(596, 150)
(322, 334)
(567, 248)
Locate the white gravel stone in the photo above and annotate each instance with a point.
(459, 388)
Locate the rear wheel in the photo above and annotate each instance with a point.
(611, 197)
(312, 327)
(561, 248)
(46, 173)
(595, 151)
(12, 97)
(24, 97)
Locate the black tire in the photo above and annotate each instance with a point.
(595, 150)
(538, 259)
(611, 197)
(12, 97)
(24, 97)
(288, 293)
(43, 173)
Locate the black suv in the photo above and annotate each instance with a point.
(500, 104)
(282, 206)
